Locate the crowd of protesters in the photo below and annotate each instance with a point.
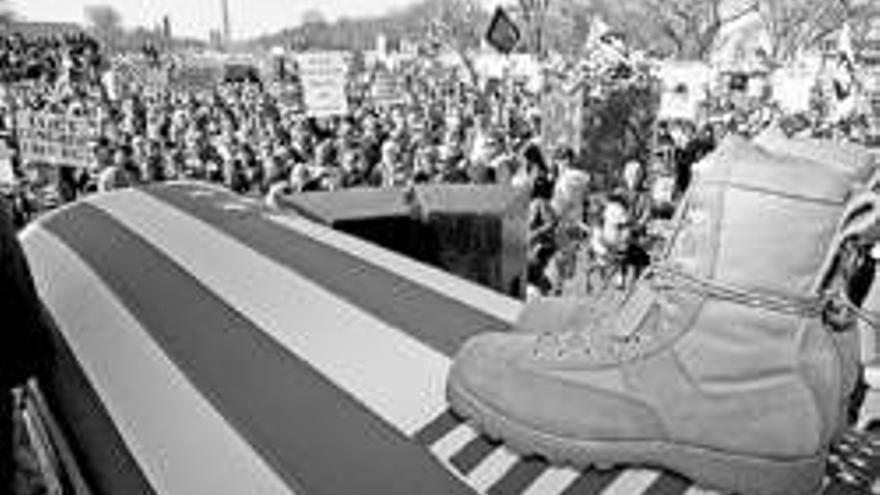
(242, 135)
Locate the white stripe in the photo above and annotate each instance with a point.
(502, 307)
(180, 442)
(395, 375)
(453, 442)
(553, 481)
(492, 469)
(632, 482)
(695, 490)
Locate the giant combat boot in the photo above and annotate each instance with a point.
(721, 365)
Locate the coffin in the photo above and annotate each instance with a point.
(205, 345)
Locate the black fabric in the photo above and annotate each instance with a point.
(24, 335)
(6, 454)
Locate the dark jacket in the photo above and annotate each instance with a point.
(24, 337)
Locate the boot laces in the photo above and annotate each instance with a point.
(834, 308)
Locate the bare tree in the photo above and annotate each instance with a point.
(314, 17)
(686, 29)
(7, 15)
(105, 22)
(693, 26)
(534, 15)
(793, 24)
(557, 25)
(460, 25)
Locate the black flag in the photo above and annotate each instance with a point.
(503, 34)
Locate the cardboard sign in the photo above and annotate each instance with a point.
(685, 87)
(7, 174)
(289, 96)
(133, 75)
(792, 90)
(679, 104)
(386, 90)
(56, 139)
(562, 118)
(324, 77)
(196, 78)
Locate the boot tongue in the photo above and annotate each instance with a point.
(758, 220)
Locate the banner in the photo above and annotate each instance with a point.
(289, 96)
(7, 173)
(562, 118)
(386, 90)
(56, 139)
(130, 75)
(197, 78)
(685, 88)
(792, 89)
(324, 78)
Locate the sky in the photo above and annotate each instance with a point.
(197, 17)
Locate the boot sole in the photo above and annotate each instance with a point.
(745, 475)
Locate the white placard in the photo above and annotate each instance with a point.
(324, 76)
(7, 176)
(56, 139)
(792, 90)
(685, 87)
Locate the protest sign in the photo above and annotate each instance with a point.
(385, 90)
(196, 78)
(7, 174)
(56, 139)
(685, 87)
(288, 95)
(792, 89)
(562, 118)
(679, 104)
(324, 78)
(130, 75)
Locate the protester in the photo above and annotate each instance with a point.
(244, 136)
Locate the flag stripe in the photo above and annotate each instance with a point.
(473, 454)
(668, 484)
(592, 481)
(631, 481)
(695, 490)
(438, 428)
(363, 355)
(307, 429)
(432, 317)
(553, 481)
(96, 443)
(454, 441)
(493, 468)
(524, 473)
(165, 422)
